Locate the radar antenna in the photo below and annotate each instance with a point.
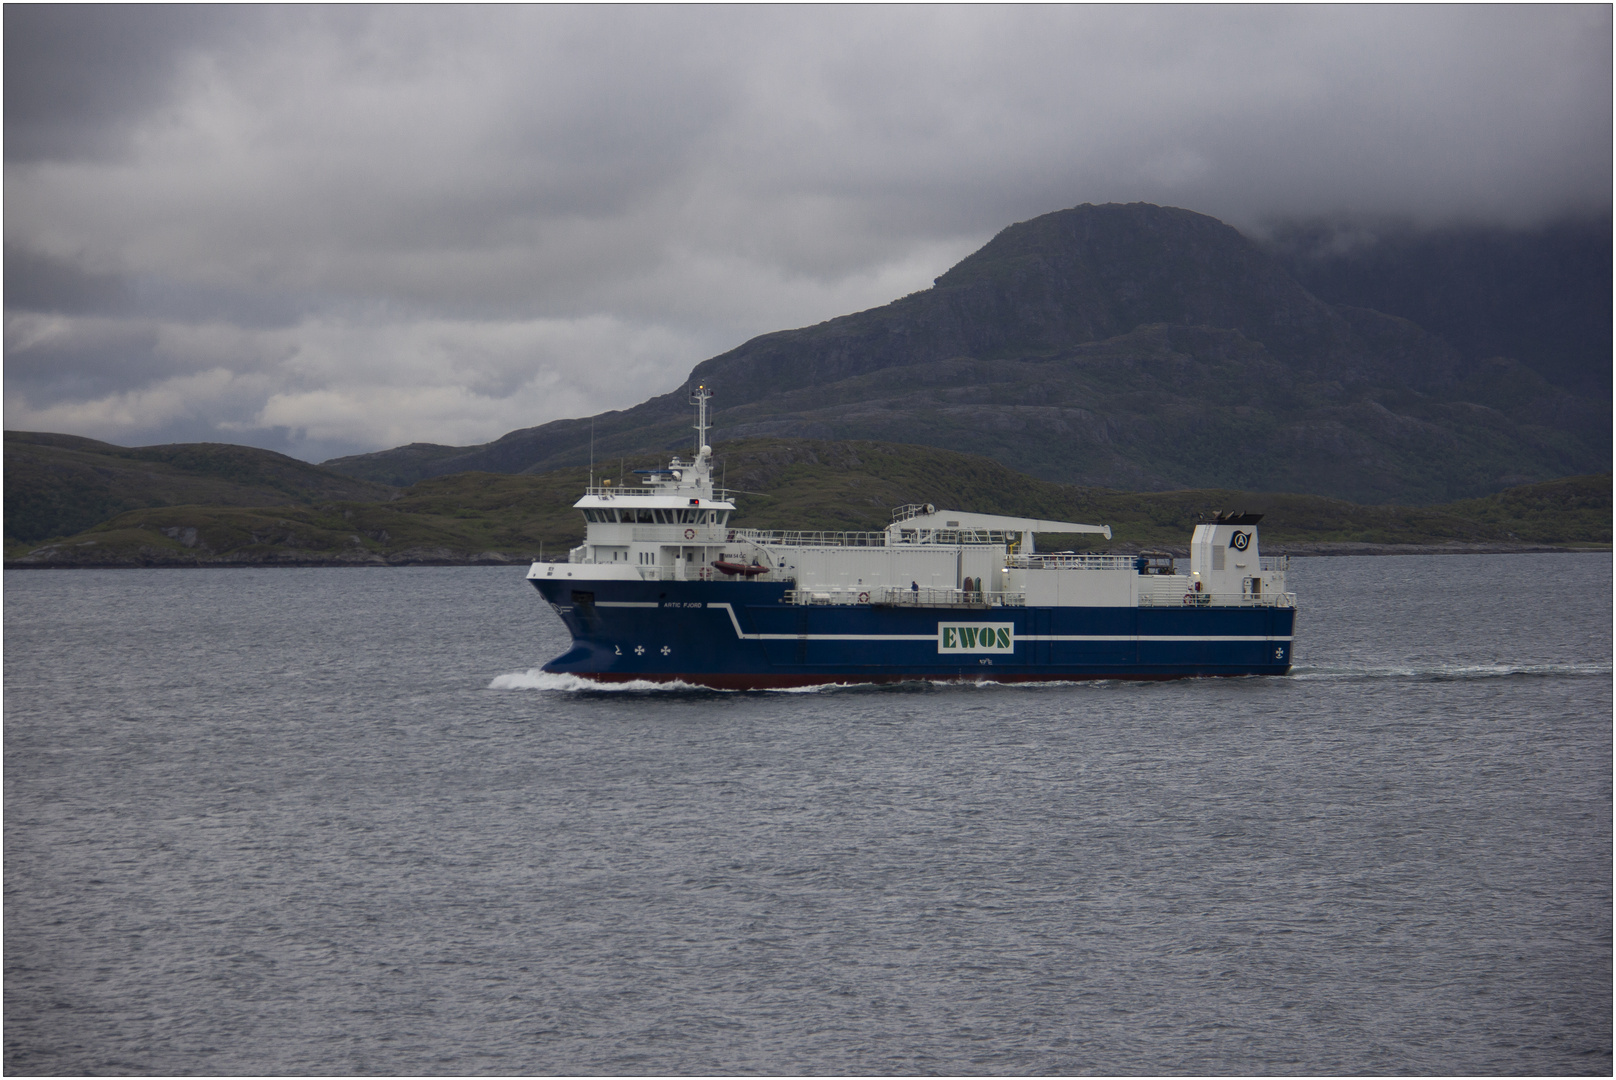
(699, 398)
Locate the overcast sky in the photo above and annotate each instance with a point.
(331, 230)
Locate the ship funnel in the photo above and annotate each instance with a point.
(1224, 550)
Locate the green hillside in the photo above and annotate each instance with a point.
(491, 517)
(57, 485)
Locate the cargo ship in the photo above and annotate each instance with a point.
(665, 589)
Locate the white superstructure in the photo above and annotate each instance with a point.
(674, 526)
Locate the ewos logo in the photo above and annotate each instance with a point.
(976, 637)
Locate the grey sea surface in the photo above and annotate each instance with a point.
(335, 821)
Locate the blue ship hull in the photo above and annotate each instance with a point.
(742, 635)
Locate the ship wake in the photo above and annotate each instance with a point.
(537, 679)
(1455, 672)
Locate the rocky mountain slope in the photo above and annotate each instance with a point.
(1126, 346)
(1541, 295)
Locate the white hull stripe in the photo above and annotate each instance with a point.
(933, 637)
(1021, 637)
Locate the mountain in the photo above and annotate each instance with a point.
(1126, 346)
(492, 518)
(57, 485)
(1541, 295)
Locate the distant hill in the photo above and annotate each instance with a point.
(1124, 346)
(494, 518)
(57, 485)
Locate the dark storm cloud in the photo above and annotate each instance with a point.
(36, 281)
(101, 358)
(380, 224)
(43, 283)
(77, 75)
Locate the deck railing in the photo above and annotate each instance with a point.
(946, 537)
(1217, 599)
(1072, 562)
(905, 597)
(719, 494)
(810, 538)
(612, 489)
(681, 534)
(901, 538)
(692, 572)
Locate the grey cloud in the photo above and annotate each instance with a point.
(37, 281)
(88, 359)
(78, 74)
(606, 195)
(163, 298)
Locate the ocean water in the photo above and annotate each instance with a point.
(334, 820)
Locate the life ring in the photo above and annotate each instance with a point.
(690, 534)
(1189, 599)
(864, 598)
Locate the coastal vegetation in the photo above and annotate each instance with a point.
(481, 517)
(57, 485)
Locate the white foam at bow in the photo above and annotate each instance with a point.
(536, 679)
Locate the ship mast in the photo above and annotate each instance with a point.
(699, 398)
